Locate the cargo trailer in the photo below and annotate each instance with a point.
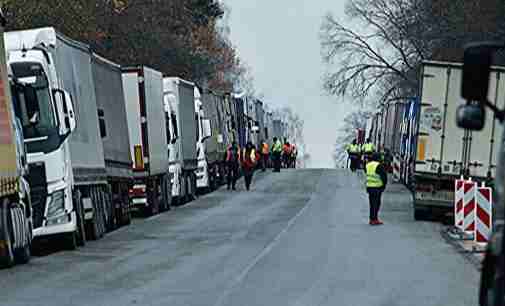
(114, 132)
(143, 97)
(443, 151)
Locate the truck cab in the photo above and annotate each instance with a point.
(204, 132)
(47, 118)
(175, 167)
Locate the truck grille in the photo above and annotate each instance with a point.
(37, 175)
(39, 196)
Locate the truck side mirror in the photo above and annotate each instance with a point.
(70, 121)
(101, 123)
(207, 130)
(471, 116)
(476, 70)
(66, 114)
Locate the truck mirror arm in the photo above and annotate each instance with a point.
(499, 113)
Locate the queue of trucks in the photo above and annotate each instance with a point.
(422, 140)
(86, 142)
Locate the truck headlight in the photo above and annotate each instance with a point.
(56, 205)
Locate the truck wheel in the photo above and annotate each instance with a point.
(112, 223)
(70, 241)
(23, 254)
(167, 193)
(101, 212)
(7, 260)
(79, 213)
(93, 227)
(419, 214)
(127, 211)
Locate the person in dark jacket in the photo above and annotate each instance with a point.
(376, 181)
(232, 161)
(248, 163)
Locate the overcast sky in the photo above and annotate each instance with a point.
(279, 39)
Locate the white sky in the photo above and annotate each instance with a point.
(279, 40)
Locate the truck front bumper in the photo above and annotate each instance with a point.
(202, 175)
(60, 228)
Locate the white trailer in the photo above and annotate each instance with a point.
(143, 91)
(444, 151)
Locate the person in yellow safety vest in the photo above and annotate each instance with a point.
(265, 153)
(368, 149)
(376, 181)
(277, 151)
(353, 150)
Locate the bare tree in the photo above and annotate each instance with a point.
(382, 52)
(377, 59)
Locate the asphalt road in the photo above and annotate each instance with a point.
(299, 238)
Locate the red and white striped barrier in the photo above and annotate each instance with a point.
(458, 203)
(483, 214)
(469, 189)
(396, 169)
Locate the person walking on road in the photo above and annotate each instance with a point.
(376, 181)
(265, 155)
(353, 150)
(248, 163)
(286, 154)
(276, 154)
(232, 160)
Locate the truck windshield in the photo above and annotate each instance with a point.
(32, 101)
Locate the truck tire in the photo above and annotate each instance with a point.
(70, 241)
(126, 210)
(79, 214)
(420, 214)
(93, 227)
(167, 194)
(23, 254)
(7, 260)
(112, 222)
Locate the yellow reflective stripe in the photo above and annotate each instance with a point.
(372, 178)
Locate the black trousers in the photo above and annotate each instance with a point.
(374, 195)
(264, 161)
(232, 175)
(248, 176)
(354, 162)
(277, 162)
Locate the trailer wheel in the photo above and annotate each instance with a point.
(112, 223)
(7, 260)
(79, 214)
(101, 212)
(93, 227)
(167, 193)
(127, 211)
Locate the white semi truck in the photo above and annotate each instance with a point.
(179, 102)
(61, 127)
(203, 180)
